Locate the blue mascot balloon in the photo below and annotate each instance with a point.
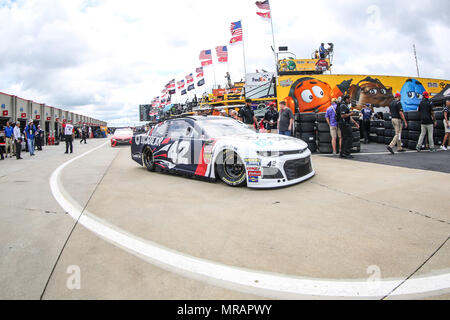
(411, 95)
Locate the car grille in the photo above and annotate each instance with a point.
(295, 169)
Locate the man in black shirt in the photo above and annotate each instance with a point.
(286, 120)
(397, 117)
(247, 116)
(271, 119)
(446, 123)
(428, 122)
(345, 120)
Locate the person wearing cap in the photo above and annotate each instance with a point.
(397, 114)
(271, 119)
(335, 132)
(30, 133)
(367, 114)
(446, 124)
(39, 138)
(247, 116)
(428, 120)
(234, 114)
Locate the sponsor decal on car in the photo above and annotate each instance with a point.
(253, 162)
(254, 173)
(253, 168)
(263, 143)
(253, 179)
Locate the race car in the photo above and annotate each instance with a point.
(223, 148)
(122, 136)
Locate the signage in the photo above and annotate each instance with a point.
(38, 117)
(5, 113)
(23, 115)
(256, 79)
(49, 118)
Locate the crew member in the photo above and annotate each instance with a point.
(30, 132)
(286, 120)
(367, 114)
(9, 135)
(68, 133)
(446, 124)
(18, 140)
(397, 117)
(322, 51)
(345, 120)
(271, 119)
(428, 119)
(247, 116)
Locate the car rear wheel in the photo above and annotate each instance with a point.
(148, 159)
(231, 169)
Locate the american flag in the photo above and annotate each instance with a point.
(199, 72)
(180, 84)
(263, 5)
(236, 32)
(222, 53)
(189, 78)
(264, 15)
(171, 84)
(205, 55)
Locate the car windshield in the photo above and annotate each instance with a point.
(224, 127)
(123, 132)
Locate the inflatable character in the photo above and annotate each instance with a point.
(312, 95)
(370, 91)
(411, 95)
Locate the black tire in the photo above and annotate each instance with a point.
(306, 127)
(405, 134)
(412, 144)
(377, 123)
(388, 125)
(380, 132)
(389, 133)
(414, 125)
(231, 169)
(148, 160)
(438, 141)
(387, 140)
(323, 127)
(405, 143)
(440, 125)
(324, 137)
(308, 137)
(305, 117)
(373, 138)
(412, 116)
(413, 135)
(321, 117)
(373, 130)
(380, 139)
(439, 133)
(312, 147)
(439, 115)
(387, 117)
(325, 148)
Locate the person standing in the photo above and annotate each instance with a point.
(18, 140)
(30, 132)
(322, 51)
(286, 120)
(428, 119)
(39, 138)
(335, 132)
(84, 134)
(247, 116)
(345, 124)
(446, 124)
(9, 136)
(397, 114)
(271, 119)
(367, 114)
(68, 137)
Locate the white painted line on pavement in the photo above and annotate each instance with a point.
(266, 284)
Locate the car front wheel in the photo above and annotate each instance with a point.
(148, 159)
(231, 169)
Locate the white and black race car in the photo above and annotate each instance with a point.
(225, 149)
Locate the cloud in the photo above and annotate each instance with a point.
(103, 58)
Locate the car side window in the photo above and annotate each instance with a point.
(160, 130)
(178, 129)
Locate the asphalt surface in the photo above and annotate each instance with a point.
(347, 221)
(425, 160)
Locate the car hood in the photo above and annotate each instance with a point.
(122, 137)
(266, 142)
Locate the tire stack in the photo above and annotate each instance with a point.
(305, 129)
(389, 131)
(323, 135)
(377, 131)
(356, 143)
(439, 131)
(410, 137)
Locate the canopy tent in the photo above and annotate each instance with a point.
(442, 96)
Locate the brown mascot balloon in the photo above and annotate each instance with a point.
(370, 91)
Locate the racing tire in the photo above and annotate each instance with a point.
(231, 169)
(308, 137)
(323, 127)
(321, 117)
(414, 125)
(148, 160)
(405, 134)
(413, 135)
(305, 117)
(312, 146)
(387, 117)
(324, 137)
(305, 126)
(439, 115)
(377, 123)
(412, 116)
(380, 132)
(388, 125)
(325, 148)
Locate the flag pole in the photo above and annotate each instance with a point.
(274, 48)
(243, 48)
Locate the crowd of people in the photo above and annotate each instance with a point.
(34, 137)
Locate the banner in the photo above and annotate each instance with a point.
(255, 79)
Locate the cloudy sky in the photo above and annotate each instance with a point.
(102, 58)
